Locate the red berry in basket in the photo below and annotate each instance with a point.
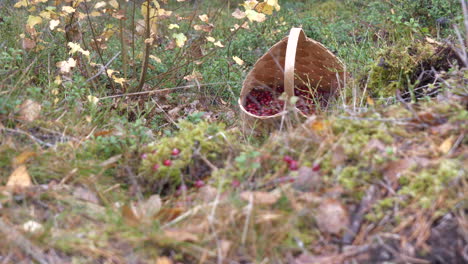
(293, 165)
(175, 152)
(167, 163)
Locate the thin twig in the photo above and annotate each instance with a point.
(103, 68)
(11, 234)
(161, 90)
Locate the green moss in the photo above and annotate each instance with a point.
(396, 67)
(193, 141)
(428, 184)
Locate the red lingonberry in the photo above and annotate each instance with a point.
(199, 183)
(167, 163)
(293, 165)
(316, 167)
(288, 159)
(175, 152)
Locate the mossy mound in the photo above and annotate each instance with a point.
(409, 68)
(196, 145)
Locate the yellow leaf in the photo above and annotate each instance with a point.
(68, 9)
(93, 99)
(210, 39)
(58, 80)
(172, 26)
(100, 4)
(264, 8)
(274, 3)
(370, 101)
(74, 47)
(66, 66)
(110, 72)
(218, 44)
(446, 146)
(23, 157)
(21, 3)
(158, 60)
(180, 39)
(114, 4)
(45, 14)
(253, 15)
(19, 178)
(34, 20)
(250, 4)
(238, 60)
(53, 24)
(204, 18)
(120, 81)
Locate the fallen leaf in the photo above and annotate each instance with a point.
(332, 217)
(19, 178)
(130, 215)
(29, 110)
(32, 227)
(28, 44)
(238, 14)
(446, 146)
(163, 260)
(85, 194)
(180, 39)
(180, 235)
(306, 179)
(395, 169)
(259, 197)
(150, 207)
(338, 156)
(238, 60)
(66, 66)
(23, 158)
(203, 18)
(168, 214)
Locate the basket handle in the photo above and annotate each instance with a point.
(290, 60)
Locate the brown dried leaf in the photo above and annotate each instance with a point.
(28, 44)
(264, 198)
(85, 194)
(130, 214)
(446, 146)
(23, 158)
(394, 170)
(180, 235)
(163, 260)
(338, 156)
(29, 110)
(306, 179)
(19, 178)
(332, 217)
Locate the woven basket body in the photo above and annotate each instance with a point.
(295, 61)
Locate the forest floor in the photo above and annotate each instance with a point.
(96, 168)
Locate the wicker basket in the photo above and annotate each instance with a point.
(298, 60)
